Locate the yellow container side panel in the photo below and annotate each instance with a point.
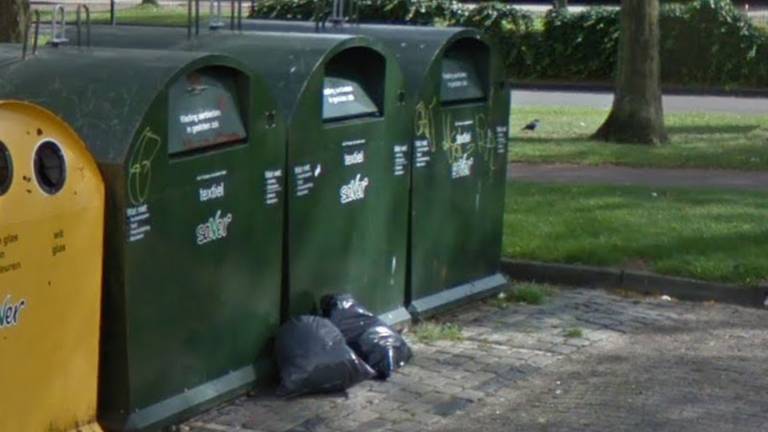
(50, 280)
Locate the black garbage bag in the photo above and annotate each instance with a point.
(313, 357)
(381, 347)
(348, 315)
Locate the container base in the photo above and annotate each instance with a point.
(397, 317)
(193, 401)
(430, 305)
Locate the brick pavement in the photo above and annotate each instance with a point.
(508, 356)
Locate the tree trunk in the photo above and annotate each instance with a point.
(13, 15)
(637, 115)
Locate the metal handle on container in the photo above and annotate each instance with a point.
(236, 15)
(320, 14)
(340, 12)
(197, 17)
(232, 15)
(337, 12)
(36, 37)
(87, 24)
(191, 20)
(215, 21)
(240, 15)
(354, 12)
(59, 25)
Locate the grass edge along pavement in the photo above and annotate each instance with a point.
(697, 140)
(709, 235)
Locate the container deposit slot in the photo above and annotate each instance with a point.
(353, 85)
(50, 167)
(465, 69)
(207, 108)
(6, 169)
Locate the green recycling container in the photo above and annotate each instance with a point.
(192, 151)
(460, 128)
(343, 99)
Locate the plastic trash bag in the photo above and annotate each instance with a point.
(381, 347)
(348, 315)
(313, 357)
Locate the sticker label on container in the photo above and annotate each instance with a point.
(455, 80)
(212, 175)
(5, 241)
(200, 122)
(211, 192)
(215, 228)
(59, 246)
(458, 144)
(305, 176)
(502, 138)
(354, 190)
(11, 311)
(272, 186)
(462, 167)
(352, 143)
(138, 220)
(423, 151)
(354, 158)
(342, 94)
(401, 159)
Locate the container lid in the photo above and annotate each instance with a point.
(344, 99)
(460, 80)
(203, 112)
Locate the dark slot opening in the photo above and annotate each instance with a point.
(6, 169)
(50, 167)
(465, 72)
(354, 85)
(207, 109)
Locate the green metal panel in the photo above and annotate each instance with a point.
(348, 173)
(348, 179)
(459, 156)
(194, 245)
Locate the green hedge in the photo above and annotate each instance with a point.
(704, 42)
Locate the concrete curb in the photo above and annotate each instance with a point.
(637, 281)
(597, 86)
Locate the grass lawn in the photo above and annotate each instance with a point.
(699, 140)
(143, 14)
(710, 235)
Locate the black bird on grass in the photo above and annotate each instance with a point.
(532, 126)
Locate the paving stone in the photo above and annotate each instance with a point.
(563, 348)
(578, 342)
(508, 349)
(472, 395)
(407, 426)
(374, 425)
(451, 407)
(314, 424)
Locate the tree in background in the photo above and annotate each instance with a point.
(560, 4)
(13, 16)
(637, 115)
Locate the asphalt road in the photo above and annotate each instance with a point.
(672, 103)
